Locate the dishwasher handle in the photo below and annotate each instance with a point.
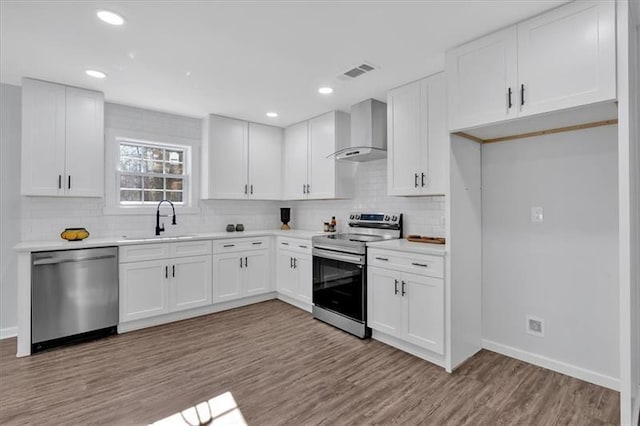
(67, 256)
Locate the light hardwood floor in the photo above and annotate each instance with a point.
(282, 367)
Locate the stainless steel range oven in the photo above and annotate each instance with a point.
(340, 273)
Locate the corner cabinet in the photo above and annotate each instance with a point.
(561, 59)
(241, 268)
(310, 171)
(241, 160)
(417, 142)
(62, 140)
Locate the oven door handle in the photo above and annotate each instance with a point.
(328, 254)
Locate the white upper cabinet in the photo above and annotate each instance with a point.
(295, 161)
(225, 146)
(62, 140)
(265, 162)
(311, 173)
(561, 59)
(240, 159)
(417, 138)
(567, 57)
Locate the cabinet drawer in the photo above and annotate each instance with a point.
(295, 244)
(190, 248)
(421, 264)
(241, 244)
(140, 252)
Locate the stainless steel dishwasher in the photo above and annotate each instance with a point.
(74, 296)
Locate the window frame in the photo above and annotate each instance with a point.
(186, 177)
(191, 192)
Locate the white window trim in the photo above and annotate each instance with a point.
(113, 137)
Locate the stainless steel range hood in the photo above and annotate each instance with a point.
(368, 132)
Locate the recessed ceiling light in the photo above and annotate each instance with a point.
(110, 17)
(325, 90)
(95, 73)
(272, 114)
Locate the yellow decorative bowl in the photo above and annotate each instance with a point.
(74, 234)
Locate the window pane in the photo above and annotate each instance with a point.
(174, 156)
(128, 181)
(174, 184)
(154, 153)
(153, 183)
(153, 196)
(126, 195)
(130, 165)
(174, 169)
(174, 196)
(153, 166)
(130, 151)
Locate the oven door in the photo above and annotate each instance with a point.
(339, 283)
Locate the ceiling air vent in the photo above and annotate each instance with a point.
(357, 71)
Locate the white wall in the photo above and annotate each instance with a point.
(9, 204)
(421, 215)
(563, 270)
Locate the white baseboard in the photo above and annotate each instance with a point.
(295, 302)
(554, 365)
(8, 332)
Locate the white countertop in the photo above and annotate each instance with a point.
(60, 244)
(410, 247)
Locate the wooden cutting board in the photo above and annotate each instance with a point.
(430, 240)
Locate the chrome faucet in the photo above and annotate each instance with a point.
(159, 228)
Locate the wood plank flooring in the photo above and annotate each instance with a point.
(283, 367)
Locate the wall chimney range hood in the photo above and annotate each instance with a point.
(368, 132)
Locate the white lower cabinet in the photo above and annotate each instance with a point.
(241, 268)
(294, 270)
(407, 306)
(165, 284)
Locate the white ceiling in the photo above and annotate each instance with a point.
(243, 58)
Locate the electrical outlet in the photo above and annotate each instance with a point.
(537, 214)
(535, 326)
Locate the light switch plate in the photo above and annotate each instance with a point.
(537, 214)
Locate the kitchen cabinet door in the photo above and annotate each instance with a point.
(257, 273)
(567, 57)
(144, 289)
(43, 138)
(384, 301)
(265, 162)
(480, 74)
(227, 284)
(303, 266)
(286, 282)
(190, 282)
(435, 149)
(295, 161)
(322, 170)
(84, 159)
(406, 117)
(224, 157)
(423, 311)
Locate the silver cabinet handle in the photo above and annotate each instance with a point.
(395, 286)
(382, 258)
(415, 180)
(403, 288)
(424, 265)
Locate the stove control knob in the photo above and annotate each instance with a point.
(386, 218)
(394, 218)
(357, 217)
(352, 217)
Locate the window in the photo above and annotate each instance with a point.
(149, 173)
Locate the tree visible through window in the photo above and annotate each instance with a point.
(150, 173)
